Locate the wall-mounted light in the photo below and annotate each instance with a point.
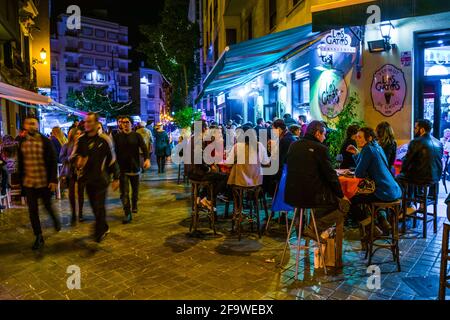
(384, 44)
(43, 56)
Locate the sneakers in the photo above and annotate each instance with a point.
(101, 237)
(38, 243)
(127, 219)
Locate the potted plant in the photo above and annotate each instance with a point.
(184, 118)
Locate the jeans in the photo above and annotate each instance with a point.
(125, 181)
(33, 195)
(73, 186)
(97, 197)
(161, 163)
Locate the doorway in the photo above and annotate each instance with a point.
(432, 68)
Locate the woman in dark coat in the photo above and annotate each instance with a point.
(386, 139)
(162, 147)
(347, 158)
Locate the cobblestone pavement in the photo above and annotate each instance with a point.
(154, 257)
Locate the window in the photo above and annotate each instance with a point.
(100, 47)
(87, 76)
(86, 31)
(250, 27)
(231, 36)
(272, 14)
(100, 63)
(100, 33)
(150, 78)
(101, 77)
(87, 61)
(151, 92)
(88, 46)
(54, 81)
(300, 93)
(112, 36)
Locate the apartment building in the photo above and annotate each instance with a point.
(148, 93)
(95, 55)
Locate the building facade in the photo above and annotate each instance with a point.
(24, 59)
(148, 94)
(383, 51)
(95, 55)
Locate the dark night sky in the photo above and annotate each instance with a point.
(131, 13)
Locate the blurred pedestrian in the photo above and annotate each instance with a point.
(58, 139)
(97, 162)
(38, 176)
(162, 147)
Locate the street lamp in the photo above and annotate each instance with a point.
(43, 56)
(385, 29)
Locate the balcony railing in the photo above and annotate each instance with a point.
(71, 65)
(72, 80)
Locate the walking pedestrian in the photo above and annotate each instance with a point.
(37, 166)
(128, 145)
(69, 173)
(147, 135)
(97, 162)
(58, 139)
(161, 147)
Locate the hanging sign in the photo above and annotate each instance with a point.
(332, 93)
(337, 41)
(388, 90)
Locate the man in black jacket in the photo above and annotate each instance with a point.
(97, 162)
(38, 167)
(128, 145)
(422, 163)
(311, 180)
(286, 138)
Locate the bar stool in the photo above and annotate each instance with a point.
(420, 195)
(393, 211)
(444, 278)
(195, 187)
(254, 194)
(300, 213)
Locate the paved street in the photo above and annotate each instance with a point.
(155, 258)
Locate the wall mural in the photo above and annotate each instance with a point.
(388, 90)
(332, 93)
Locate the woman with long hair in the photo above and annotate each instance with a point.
(58, 139)
(386, 140)
(68, 158)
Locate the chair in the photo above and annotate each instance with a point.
(196, 186)
(299, 213)
(393, 211)
(422, 195)
(254, 194)
(444, 278)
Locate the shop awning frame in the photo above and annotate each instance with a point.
(10, 92)
(240, 63)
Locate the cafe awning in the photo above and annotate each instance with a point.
(351, 13)
(14, 93)
(242, 62)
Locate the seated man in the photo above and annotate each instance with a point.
(312, 182)
(422, 163)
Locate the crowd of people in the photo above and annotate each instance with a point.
(312, 179)
(90, 160)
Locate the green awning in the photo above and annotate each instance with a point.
(242, 62)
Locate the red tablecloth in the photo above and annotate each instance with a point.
(349, 186)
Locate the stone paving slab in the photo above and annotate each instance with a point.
(155, 257)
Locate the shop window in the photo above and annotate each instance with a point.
(300, 95)
(437, 61)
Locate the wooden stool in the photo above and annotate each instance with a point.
(196, 185)
(420, 195)
(393, 212)
(444, 279)
(238, 213)
(300, 212)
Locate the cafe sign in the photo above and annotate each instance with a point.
(388, 90)
(337, 41)
(332, 93)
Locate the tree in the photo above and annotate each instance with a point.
(171, 48)
(186, 116)
(96, 99)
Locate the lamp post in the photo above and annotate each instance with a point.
(43, 56)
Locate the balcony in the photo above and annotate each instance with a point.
(72, 49)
